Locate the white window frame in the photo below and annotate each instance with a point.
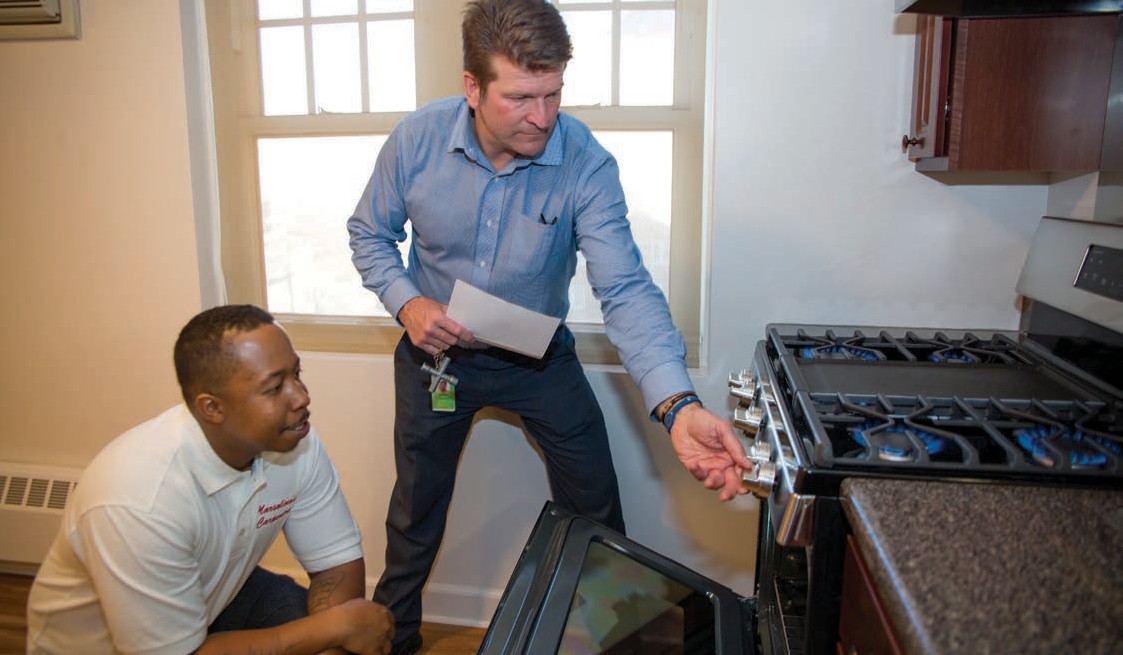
(240, 121)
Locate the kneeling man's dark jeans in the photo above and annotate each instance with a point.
(265, 601)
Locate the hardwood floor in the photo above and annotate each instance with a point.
(439, 639)
(13, 616)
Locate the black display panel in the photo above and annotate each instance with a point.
(1101, 272)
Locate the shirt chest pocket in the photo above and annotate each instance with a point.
(536, 244)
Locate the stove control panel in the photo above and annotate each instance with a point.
(765, 421)
(1101, 272)
(748, 417)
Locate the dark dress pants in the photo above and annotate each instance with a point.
(559, 410)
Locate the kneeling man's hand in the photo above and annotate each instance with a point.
(368, 627)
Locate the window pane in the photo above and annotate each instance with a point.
(272, 9)
(388, 6)
(647, 57)
(588, 77)
(335, 7)
(335, 62)
(284, 87)
(309, 186)
(645, 173)
(391, 62)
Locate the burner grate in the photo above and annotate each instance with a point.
(894, 442)
(940, 348)
(939, 403)
(966, 434)
(873, 429)
(1049, 446)
(1076, 436)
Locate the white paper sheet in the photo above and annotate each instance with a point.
(500, 323)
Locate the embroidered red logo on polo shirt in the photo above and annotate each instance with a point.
(269, 514)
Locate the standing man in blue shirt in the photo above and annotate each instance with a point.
(501, 191)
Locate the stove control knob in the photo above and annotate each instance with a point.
(760, 451)
(748, 418)
(742, 385)
(760, 480)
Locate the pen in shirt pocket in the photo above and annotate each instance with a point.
(546, 205)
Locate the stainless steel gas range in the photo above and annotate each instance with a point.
(1040, 406)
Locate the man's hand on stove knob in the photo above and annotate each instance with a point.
(707, 447)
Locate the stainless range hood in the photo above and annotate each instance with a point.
(1009, 8)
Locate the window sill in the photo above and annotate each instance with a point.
(353, 334)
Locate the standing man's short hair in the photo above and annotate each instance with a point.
(203, 361)
(531, 33)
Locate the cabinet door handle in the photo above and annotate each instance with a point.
(907, 141)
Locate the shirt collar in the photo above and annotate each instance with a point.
(463, 138)
(213, 474)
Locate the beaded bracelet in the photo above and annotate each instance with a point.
(669, 417)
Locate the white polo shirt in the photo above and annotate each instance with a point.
(160, 534)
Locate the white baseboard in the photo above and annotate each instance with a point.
(460, 605)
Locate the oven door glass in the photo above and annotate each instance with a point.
(581, 588)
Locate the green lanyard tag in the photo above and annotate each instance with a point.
(444, 397)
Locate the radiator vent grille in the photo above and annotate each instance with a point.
(40, 489)
(32, 500)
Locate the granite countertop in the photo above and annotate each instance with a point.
(993, 568)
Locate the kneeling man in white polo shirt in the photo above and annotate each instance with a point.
(160, 542)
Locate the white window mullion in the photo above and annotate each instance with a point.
(616, 29)
(690, 28)
(364, 57)
(309, 63)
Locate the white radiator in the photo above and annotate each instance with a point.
(31, 502)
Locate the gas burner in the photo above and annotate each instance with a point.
(840, 352)
(893, 443)
(1080, 448)
(832, 347)
(908, 346)
(969, 350)
(953, 356)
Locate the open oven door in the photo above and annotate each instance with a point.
(579, 587)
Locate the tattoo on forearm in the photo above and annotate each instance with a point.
(321, 590)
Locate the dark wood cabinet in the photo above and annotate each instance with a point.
(1018, 94)
(863, 627)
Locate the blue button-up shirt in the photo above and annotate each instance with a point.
(513, 233)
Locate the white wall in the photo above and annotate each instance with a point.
(97, 245)
(816, 217)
